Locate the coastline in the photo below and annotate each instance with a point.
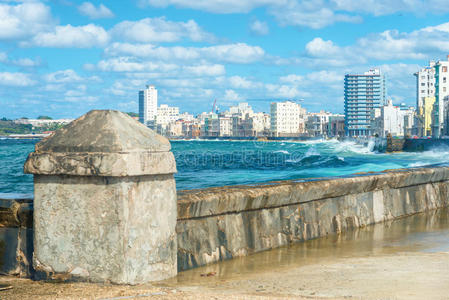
(25, 136)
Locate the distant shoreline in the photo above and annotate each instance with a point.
(24, 136)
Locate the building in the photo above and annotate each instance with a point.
(441, 95)
(425, 84)
(166, 114)
(43, 122)
(316, 124)
(336, 126)
(225, 126)
(363, 93)
(286, 118)
(394, 120)
(147, 104)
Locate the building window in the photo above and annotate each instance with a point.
(444, 88)
(423, 84)
(444, 69)
(444, 79)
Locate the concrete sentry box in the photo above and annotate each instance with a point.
(104, 202)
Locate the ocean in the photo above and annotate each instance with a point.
(216, 163)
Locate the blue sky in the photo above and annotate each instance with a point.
(63, 58)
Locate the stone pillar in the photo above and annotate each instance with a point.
(104, 202)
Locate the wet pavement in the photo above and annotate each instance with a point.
(403, 259)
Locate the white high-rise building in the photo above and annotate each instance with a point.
(425, 84)
(286, 118)
(441, 96)
(147, 104)
(167, 114)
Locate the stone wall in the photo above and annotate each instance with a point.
(225, 222)
(221, 223)
(16, 236)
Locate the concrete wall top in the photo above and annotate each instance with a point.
(102, 143)
(231, 199)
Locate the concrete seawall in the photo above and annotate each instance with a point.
(221, 223)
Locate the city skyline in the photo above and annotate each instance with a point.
(64, 58)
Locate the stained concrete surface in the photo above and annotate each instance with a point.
(402, 259)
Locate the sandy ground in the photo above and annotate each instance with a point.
(410, 275)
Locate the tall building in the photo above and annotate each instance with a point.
(147, 104)
(425, 84)
(441, 95)
(363, 93)
(166, 114)
(287, 118)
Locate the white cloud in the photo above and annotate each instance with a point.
(129, 64)
(319, 47)
(425, 43)
(306, 13)
(292, 79)
(283, 91)
(313, 14)
(325, 76)
(216, 6)
(20, 62)
(387, 7)
(16, 79)
(231, 53)
(231, 95)
(238, 82)
(27, 62)
(3, 57)
(100, 12)
(64, 76)
(23, 20)
(69, 36)
(259, 28)
(159, 30)
(205, 70)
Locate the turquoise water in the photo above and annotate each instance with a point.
(215, 163)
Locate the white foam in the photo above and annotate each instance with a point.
(282, 151)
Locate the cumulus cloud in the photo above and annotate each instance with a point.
(231, 95)
(23, 20)
(100, 12)
(387, 7)
(130, 64)
(215, 6)
(232, 53)
(64, 76)
(159, 30)
(20, 62)
(314, 14)
(205, 70)
(69, 36)
(16, 79)
(259, 28)
(426, 43)
(319, 47)
(292, 79)
(238, 82)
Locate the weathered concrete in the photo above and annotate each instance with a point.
(97, 217)
(16, 236)
(104, 202)
(222, 223)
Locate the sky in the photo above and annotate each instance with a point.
(62, 58)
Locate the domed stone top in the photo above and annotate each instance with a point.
(106, 131)
(102, 143)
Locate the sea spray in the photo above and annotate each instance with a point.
(203, 164)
